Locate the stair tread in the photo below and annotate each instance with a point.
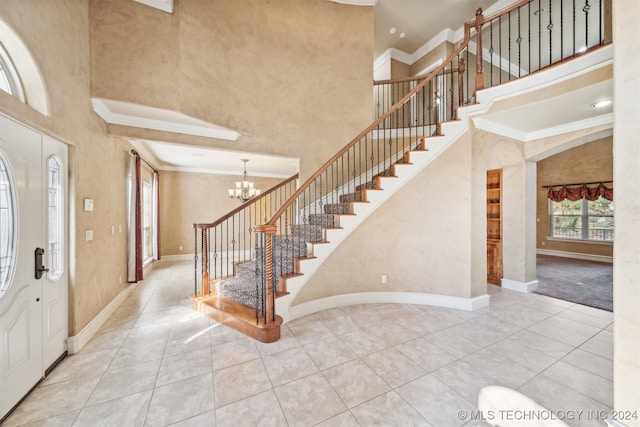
(239, 317)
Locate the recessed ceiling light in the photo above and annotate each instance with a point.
(401, 35)
(602, 104)
(392, 30)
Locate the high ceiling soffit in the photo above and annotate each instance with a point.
(144, 116)
(170, 156)
(566, 106)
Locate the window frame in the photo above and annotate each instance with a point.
(584, 224)
(56, 269)
(9, 74)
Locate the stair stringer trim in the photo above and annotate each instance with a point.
(452, 131)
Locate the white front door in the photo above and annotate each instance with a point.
(33, 312)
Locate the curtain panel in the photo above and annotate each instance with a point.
(134, 221)
(156, 215)
(582, 191)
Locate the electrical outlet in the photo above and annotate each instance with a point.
(181, 248)
(383, 279)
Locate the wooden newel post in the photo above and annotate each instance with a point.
(479, 62)
(269, 297)
(205, 263)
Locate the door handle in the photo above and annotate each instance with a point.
(39, 267)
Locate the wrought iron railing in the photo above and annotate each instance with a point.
(495, 49)
(527, 37)
(221, 245)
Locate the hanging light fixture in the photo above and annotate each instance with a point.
(244, 190)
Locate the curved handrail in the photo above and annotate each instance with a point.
(374, 125)
(475, 23)
(245, 204)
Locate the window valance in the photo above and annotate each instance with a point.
(573, 192)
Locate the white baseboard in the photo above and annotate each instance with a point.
(77, 342)
(468, 304)
(576, 255)
(514, 285)
(174, 258)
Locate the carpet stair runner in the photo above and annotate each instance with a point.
(293, 246)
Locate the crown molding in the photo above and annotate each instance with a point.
(493, 127)
(446, 35)
(356, 2)
(163, 5)
(221, 172)
(146, 117)
(603, 119)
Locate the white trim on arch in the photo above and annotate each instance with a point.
(35, 92)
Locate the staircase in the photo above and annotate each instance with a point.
(418, 119)
(298, 244)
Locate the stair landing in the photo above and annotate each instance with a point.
(238, 316)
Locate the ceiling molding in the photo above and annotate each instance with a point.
(146, 117)
(446, 35)
(178, 157)
(603, 119)
(356, 2)
(146, 153)
(237, 172)
(392, 53)
(163, 5)
(499, 129)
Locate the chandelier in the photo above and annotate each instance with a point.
(244, 190)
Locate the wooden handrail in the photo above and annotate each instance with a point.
(472, 23)
(505, 10)
(374, 125)
(411, 79)
(245, 204)
(468, 26)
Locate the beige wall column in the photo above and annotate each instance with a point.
(518, 225)
(626, 167)
(491, 151)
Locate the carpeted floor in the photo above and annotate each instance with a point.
(583, 282)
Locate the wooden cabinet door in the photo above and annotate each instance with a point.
(494, 226)
(494, 261)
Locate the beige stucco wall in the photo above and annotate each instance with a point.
(440, 52)
(274, 72)
(430, 216)
(57, 34)
(591, 162)
(188, 198)
(292, 76)
(399, 69)
(491, 151)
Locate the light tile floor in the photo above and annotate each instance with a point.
(156, 362)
